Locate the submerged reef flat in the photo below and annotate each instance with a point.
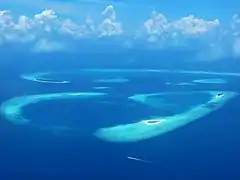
(210, 81)
(174, 101)
(136, 71)
(181, 84)
(141, 129)
(12, 108)
(100, 87)
(40, 77)
(148, 128)
(112, 80)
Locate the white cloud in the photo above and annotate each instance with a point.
(46, 30)
(191, 25)
(157, 23)
(158, 28)
(109, 12)
(48, 23)
(212, 39)
(68, 27)
(109, 26)
(6, 24)
(45, 16)
(89, 24)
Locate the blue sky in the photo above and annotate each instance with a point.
(206, 9)
(212, 26)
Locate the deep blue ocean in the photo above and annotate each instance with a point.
(208, 148)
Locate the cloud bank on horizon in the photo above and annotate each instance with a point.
(48, 31)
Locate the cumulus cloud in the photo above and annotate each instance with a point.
(158, 28)
(210, 38)
(109, 26)
(47, 31)
(109, 12)
(48, 23)
(42, 27)
(68, 27)
(191, 25)
(156, 24)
